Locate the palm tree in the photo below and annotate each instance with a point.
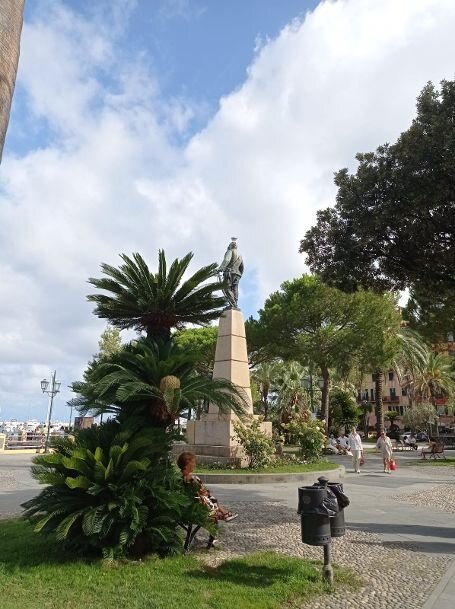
(437, 377)
(151, 383)
(11, 16)
(264, 375)
(157, 302)
(291, 396)
(410, 360)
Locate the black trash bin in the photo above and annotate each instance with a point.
(337, 524)
(315, 525)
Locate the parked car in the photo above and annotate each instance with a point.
(422, 436)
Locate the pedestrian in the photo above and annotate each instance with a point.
(384, 444)
(343, 444)
(356, 448)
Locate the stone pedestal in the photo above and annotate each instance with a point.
(212, 438)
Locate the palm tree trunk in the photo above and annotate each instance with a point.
(379, 410)
(11, 16)
(325, 396)
(265, 403)
(433, 402)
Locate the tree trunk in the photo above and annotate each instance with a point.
(379, 410)
(325, 397)
(11, 15)
(265, 403)
(433, 402)
(160, 415)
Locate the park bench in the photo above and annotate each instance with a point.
(395, 445)
(400, 445)
(436, 452)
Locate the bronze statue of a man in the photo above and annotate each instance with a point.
(231, 270)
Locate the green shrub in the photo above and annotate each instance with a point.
(258, 447)
(114, 492)
(344, 411)
(308, 435)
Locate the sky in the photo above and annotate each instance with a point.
(177, 124)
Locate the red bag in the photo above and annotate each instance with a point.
(393, 465)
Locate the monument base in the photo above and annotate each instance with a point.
(213, 438)
(223, 447)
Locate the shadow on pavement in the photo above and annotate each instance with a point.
(419, 530)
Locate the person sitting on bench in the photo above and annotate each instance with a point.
(429, 450)
(187, 462)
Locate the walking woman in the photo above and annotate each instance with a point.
(355, 445)
(385, 446)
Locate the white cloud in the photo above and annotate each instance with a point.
(113, 179)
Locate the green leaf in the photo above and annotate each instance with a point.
(79, 482)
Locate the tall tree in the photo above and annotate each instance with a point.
(377, 345)
(431, 314)
(109, 342)
(202, 343)
(11, 17)
(157, 302)
(393, 225)
(291, 396)
(264, 376)
(436, 379)
(308, 321)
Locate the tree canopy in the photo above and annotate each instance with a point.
(393, 225)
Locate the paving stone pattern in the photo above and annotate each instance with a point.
(391, 573)
(7, 481)
(441, 497)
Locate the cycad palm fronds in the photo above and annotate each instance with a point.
(128, 385)
(157, 302)
(107, 497)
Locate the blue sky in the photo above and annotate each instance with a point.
(200, 49)
(176, 124)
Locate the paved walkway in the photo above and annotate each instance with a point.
(374, 514)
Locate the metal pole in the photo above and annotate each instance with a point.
(71, 417)
(311, 390)
(327, 570)
(49, 412)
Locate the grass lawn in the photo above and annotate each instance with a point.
(447, 462)
(291, 468)
(34, 574)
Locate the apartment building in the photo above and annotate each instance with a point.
(395, 397)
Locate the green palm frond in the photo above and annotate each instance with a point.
(157, 302)
(129, 384)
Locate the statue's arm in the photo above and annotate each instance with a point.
(226, 260)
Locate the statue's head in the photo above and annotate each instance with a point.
(233, 243)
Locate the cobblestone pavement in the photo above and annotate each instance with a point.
(391, 572)
(7, 481)
(441, 497)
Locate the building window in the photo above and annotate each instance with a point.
(372, 394)
(393, 392)
(404, 391)
(391, 376)
(373, 378)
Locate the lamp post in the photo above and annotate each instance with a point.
(307, 384)
(71, 417)
(51, 389)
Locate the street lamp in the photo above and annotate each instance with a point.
(51, 389)
(308, 384)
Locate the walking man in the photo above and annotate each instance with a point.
(355, 444)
